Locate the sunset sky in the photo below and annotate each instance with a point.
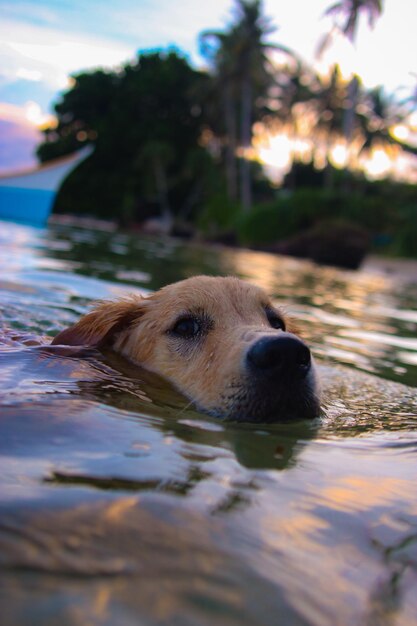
(42, 42)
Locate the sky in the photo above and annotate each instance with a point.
(43, 42)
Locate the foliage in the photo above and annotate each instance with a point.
(170, 140)
(145, 122)
(218, 216)
(241, 78)
(350, 10)
(404, 243)
(388, 211)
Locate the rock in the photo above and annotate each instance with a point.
(338, 243)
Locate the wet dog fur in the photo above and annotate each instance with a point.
(219, 341)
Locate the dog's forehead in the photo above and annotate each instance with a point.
(210, 294)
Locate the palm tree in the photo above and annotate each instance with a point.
(380, 114)
(220, 97)
(255, 78)
(242, 75)
(349, 12)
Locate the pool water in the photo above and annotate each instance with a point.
(119, 504)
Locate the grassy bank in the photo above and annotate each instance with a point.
(384, 212)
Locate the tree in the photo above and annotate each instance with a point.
(156, 157)
(145, 121)
(242, 74)
(349, 13)
(221, 94)
(380, 115)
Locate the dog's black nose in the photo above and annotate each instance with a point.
(284, 354)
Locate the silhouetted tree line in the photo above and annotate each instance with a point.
(146, 122)
(171, 141)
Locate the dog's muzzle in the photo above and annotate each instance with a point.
(278, 382)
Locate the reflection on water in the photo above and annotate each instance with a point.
(119, 504)
(360, 319)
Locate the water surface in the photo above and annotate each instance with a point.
(120, 505)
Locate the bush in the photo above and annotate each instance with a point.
(404, 242)
(267, 223)
(385, 211)
(331, 242)
(294, 212)
(218, 216)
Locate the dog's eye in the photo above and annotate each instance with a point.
(186, 327)
(274, 319)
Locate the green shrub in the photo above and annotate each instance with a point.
(218, 215)
(380, 211)
(266, 223)
(290, 213)
(404, 241)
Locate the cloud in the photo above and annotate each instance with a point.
(43, 42)
(29, 11)
(51, 55)
(19, 137)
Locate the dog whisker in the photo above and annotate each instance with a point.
(184, 408)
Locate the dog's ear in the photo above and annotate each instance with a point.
(100, 326)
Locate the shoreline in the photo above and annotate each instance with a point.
(401, 269)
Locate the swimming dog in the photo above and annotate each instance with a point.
(219, 340)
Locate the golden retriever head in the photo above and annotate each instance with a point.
(220, 341)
